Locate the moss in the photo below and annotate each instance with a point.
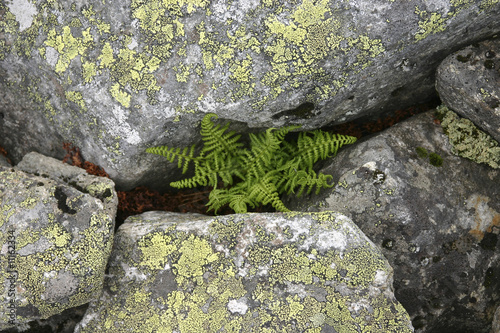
(467, 140)
(435, 159)
(421, 152)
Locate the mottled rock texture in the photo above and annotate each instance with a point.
(117, 77)
(436, 217)
(56, 233)
(284, 272)
(468, 82)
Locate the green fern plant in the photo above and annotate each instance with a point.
(259, 174)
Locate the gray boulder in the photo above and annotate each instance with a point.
(435, 216)
(291, 272)
(116, 78)
(468, 82)
(56, 231)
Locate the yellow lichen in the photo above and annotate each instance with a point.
(120, 96)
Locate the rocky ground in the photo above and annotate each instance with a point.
(406, 240)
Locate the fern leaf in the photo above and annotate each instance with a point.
(217, 199)
(216, 140)
(311, 180)
(281, 132)
(183, 157)
(319, 146)
(265, 192)
(269, 168)
(239, 203)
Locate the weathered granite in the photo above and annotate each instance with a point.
(283, 272)
(436, 217)
(115, 78)
(56, 231)
(468, 82)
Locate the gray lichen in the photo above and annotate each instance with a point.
(467, 140)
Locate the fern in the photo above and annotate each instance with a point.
(269, 168)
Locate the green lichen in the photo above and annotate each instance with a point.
(488, 4)
(467, 140)
(68, 46)
(120, 96)
(432, 23)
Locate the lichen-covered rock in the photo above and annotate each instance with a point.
(290, 272)
(56, 231)
(115, 78)
(468, 82)
(435, 215)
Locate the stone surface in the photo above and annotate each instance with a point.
(115, 78)
(56, 231)
(437, 225)
(284, 272)
(63, 322)
(3, 161)
(496, 322)
(468, 82)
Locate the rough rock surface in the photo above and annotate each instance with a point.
(290, 272)
(115, 78)
(4, 162)
(437, 225)
(56, 231)
(63, 322)
(468, 82)
(496, 322)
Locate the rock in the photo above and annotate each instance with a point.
(436, 217)
(63, 322)
(496, 322)
(114, 79)
(56, 227)
(245, 273)
(468, 82)
(3, 161)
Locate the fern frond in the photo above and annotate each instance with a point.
(319, 146)
(183, 158)
(216, 141)
(269, 168)
(265, 192)
(290, 178)
(239, 203)
(311, 180)
(199, 178)
(217, 199)
(281, 132)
